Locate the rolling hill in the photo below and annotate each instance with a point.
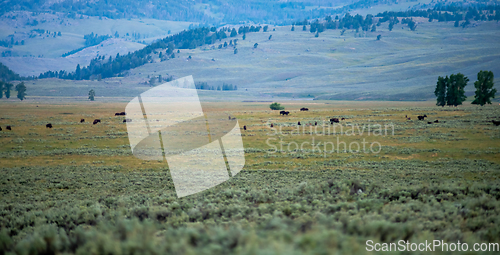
(403, 65)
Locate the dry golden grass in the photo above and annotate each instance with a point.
(466, 134)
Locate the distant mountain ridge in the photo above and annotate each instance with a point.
(212, 12)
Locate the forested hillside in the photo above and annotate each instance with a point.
(7, 75)
(206, 12)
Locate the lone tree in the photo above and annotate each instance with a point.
(255, 45)
(484, 88)
(440, 91)
(7, 89)
(233, 33)
(379, 37)
(235, 51)
(455, 93)
(276, 106)
(91, 95)
(21, 91)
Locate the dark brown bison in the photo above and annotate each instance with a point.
(244, 127)
(342, 119)
(82, 120)
(428, 122)
(272, 125)
(436, 121)
(0, 128)
(497, 123)
(303, 109)
(127, 120)
(298, 123)
(332, 120)
(315, 123)
(422, 117)
(284, 113)
(48, 125)
(8, 128)
(120, 114)
(96, 121)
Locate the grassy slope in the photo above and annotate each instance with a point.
(404, 65)
(72, 31)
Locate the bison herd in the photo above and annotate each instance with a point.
(303, 109)
(96, 121)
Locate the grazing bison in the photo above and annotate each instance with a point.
(436, 121)
(244, 127)
(422, 117)
(332, 120)
(0, 128)
(303, 109)
(408, 118)
(120, 114)
(127, 120)
(298, 123)
(48, 125)
(8, 128)
(272, 125)
(315, 123)
(82, 120)
(497, 123)
(96, 121)
(342, 119)
(428, 122)
(284, 113)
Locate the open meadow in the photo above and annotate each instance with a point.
(77, 188)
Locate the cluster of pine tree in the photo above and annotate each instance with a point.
(451, 90)
(90, 40)
(8, 75)
(205, 86)
(101, 68)
(6, 87)
(451, 12)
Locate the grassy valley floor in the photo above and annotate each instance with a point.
(76, 188)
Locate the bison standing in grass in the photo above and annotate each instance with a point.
(422, 117)
(8, 128)
(82, 120)
(120, 114)
(96, 121)
(48, 125)
(303, 109)
(497, 123)
(332, 120)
